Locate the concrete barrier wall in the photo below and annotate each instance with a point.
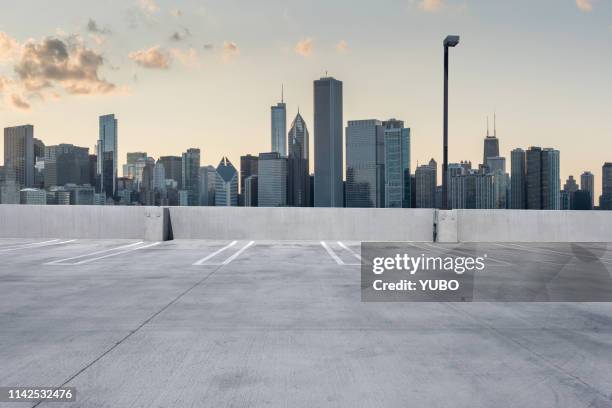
(74, 221)
(286, 223)
(533, 226)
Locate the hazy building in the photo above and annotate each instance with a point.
(159, 176)
(272, 180)
(534, 178)
(66, 164)
(365, 163)
(605, 201)
(491, 146)
(496, 164)
(129, 169)
(9, 188)
(298, 168)
(250, 191)
(248, 167)
(34, 196)
(328, 123)
(425, 179)
(191, 175)
(551, 179)
(173, 166)
(396, 164)
(564, 200)
(208, 177)
(19, 153)
(107, 155)
(279, 128)
(587, 183)
(226, 184)
(570, 187)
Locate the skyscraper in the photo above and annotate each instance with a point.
(518, 180)
(65, 164)
(605, 201)
(543, 181)
(191, 176)
(248, 167)
(397, 164)
(173, 166)
(19, 153)
(298, 186)
(328, 122)
(107, 155)
(587, 183)
(279, 127)
(159, 176)
(426, 181)
(132, 158)
(250, 191)
(365, 163)
(272, 180)
(534, 178)
(208, 178)
(570, 187)
(226, 184)
(491, 144)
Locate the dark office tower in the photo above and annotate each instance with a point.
(248, 167)
(19, 153)
(587, 183)
(279, 127)
(397, 164)
(39, 148)
(582, 200)
(518, 180)
(570, 187)
(328, 122)
(250, 191)
(93, 172)
(191, 176)
(66, 164)
(491, 144)
(425, 179)
(173, 167)
(208, 177)
(534, 178)
(107, 155)
(365, 164)
(605, 201)
(551, 179)
(298, 188)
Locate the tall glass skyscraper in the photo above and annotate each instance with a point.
(365, 185)
(543, 179)
(191, 176)
(298, 188)
(518, 180)
(587, 183)
(328, 123)
(107, 155)
(226, 184)
(19, 153)
(605, 201)
(272, 180)
(397, 164)
(279, 128)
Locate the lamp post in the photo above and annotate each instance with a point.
(449, 41)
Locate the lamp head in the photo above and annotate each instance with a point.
(451, 41)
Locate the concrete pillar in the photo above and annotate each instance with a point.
(446, 226)
(157, 224)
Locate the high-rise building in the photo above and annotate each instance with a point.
(279, 128)
(19, 153)
(491, 145)
(397, 164)
(582, 200)
(298, 180)
(159, 176)
(534, 178)
(33, 196)
(495, 164)
(9, 188)
(605, 201)
(173, 166)
(208, 177)
(107, 155)
(587, 183)
(564, 200)
(543, 180)
(130, 167)
(426, 179)
(250, 191)
(272, 180)
(66, 164)
(518, 180)
(248, 167)
(226, 184)
(569, 188)
(191, 175)
(365, 154)
(328, 122)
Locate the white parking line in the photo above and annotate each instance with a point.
(59, 261)
(206, 258)
(114, 253)
(355, 254)
(237, 254)
(36, 245)
(334, 256)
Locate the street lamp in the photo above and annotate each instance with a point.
(449, 41)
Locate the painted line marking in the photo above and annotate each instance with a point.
(355, 254)
(551, 251)
(36, 245)
(217, 252)
(334, 256)
(114, 253)
(93, 253)
(237, 254)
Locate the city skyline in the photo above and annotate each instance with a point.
(548, 87)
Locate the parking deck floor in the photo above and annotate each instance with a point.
(260, 323)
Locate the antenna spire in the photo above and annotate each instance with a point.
(494, 124)
(487, 126)
(282, 93)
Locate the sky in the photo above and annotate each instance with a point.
(181, 74)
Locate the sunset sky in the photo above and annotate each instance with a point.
(181, 74)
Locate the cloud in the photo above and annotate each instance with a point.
(154, 58)
(93, 27)
(9, 47)
(176, 13)
(3, 83)
(584, 5)
(54, 62)
(342, 47)
(148, 6)
(209, 46)
(230, 51)
(431, 6)
(304, 47)
(19, 102)
(180, 35)
(188, 58)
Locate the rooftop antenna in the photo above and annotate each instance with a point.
(487, 126)
(282, 93)
(494, 125)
